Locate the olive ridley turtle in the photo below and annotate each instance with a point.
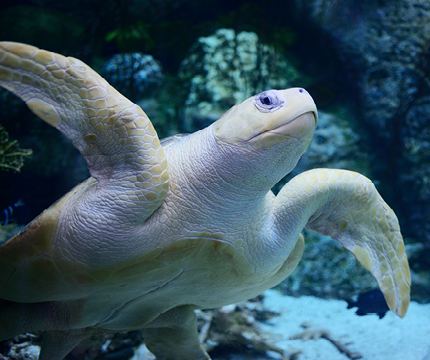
(162, 229)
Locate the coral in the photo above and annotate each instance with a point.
(135, 75)
(226, 68)
(235, 329)
(315, 334)
(11, 155)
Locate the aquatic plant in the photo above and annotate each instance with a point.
(11, 155)
(126, 35)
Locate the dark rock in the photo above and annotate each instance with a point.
(383, 47)
(326, 270)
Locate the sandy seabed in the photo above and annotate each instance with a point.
(389, 338)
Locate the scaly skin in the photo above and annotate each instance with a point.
(161, 230)
(343, 204)
(114, 135)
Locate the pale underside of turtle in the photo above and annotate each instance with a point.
(160, 230)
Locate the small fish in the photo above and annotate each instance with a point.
(7, 215)
(370, 302)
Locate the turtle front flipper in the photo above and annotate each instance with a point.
(114, 135)
(347, 207)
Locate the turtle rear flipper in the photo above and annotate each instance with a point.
(173, 335)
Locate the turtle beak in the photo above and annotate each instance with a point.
(315, 114)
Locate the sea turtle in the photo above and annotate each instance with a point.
(160, 230)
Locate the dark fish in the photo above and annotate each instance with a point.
(370, 302)
(7, 215)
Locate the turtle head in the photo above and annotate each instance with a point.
(267, 134)
(269, 118)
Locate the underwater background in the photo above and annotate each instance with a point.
(366, 63)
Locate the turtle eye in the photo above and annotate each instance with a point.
(268, 101)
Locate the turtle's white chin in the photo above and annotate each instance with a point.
(300, 128)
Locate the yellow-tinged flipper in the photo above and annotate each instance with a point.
(113, 134)
(347, 207)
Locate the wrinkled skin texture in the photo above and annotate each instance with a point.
(160, 230)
